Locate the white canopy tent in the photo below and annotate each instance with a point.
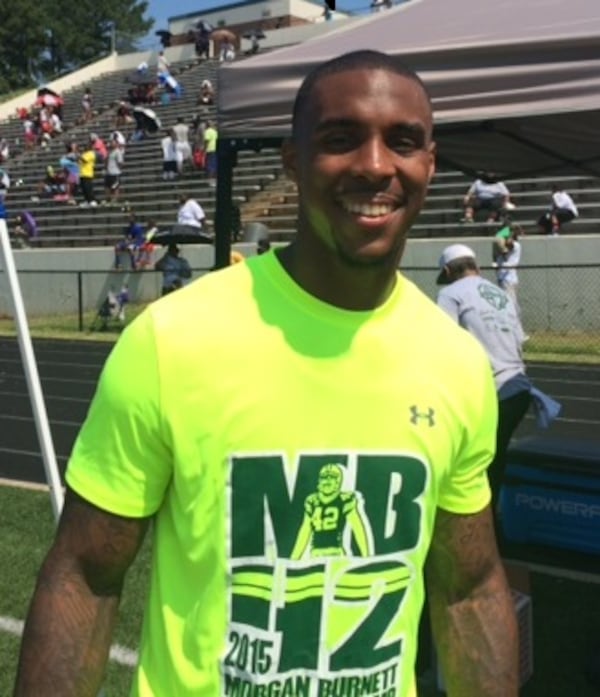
(515, 86)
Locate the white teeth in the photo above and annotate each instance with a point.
(368, 210)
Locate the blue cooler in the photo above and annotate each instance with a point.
(551, 493)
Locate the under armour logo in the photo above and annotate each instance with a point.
(415, 415)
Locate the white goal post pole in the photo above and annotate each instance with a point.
(36, 395)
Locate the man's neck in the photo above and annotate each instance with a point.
(338, 283)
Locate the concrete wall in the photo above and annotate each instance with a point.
(49, 278)
(255, 12)
(288, 36)
(551, 299)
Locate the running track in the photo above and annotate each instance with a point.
(69, 371)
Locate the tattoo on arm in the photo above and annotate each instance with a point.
(472, 611)
(74, 607)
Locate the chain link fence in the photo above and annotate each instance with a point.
(560, 307)
(560, 304)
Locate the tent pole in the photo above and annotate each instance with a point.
(226, 152)
(31, 373)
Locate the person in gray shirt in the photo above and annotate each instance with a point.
(488, 313)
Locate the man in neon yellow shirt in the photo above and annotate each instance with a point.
(210, 148)
(369, 386)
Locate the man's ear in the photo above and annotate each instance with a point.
(433, 154)
(289, 160)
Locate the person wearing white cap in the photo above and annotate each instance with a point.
(489, 314)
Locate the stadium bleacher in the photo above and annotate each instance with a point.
(260, 188)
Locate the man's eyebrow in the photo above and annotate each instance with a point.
(415, 128)
(336, 123)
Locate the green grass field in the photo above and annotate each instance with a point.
(566, 612)
(568, 347)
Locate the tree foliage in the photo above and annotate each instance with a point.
(41, 38)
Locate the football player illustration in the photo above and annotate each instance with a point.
(327, 511)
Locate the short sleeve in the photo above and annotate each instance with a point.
(466, 488)
(121, 460)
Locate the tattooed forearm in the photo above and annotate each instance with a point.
(66, 638)
(472, 610)
(73, 611)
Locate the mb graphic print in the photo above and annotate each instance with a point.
(317, 572)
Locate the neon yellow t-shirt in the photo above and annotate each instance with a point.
(294, 454)
(210, 139)
(87, 162)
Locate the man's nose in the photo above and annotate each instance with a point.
(374, 160)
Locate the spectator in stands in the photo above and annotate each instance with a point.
(151, 95)
(55, 122)
(169, 153)
(69, 162)
(227, 51)
(487, 194)
(210, 149)
(87, 167)
(4, 187)
(190, 212)
(171, 86)
(123, 116)
(254, 44)
(120, 138)
(163, 67)
(4, 150)
(112, 173)
(99, 147)
(19, 239)
(562, 210)
(207, 94)
(25, 229)
(183, 149)
(202, 43)
(87, 106)
(44, 127)
(29, 132)
(197, 128)
(176, 270)
(132, 242)
(52, 185)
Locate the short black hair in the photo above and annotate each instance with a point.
(458, 267)
(355, 60)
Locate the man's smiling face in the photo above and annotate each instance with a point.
(362, 159)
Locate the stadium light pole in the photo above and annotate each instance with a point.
(36, 395)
